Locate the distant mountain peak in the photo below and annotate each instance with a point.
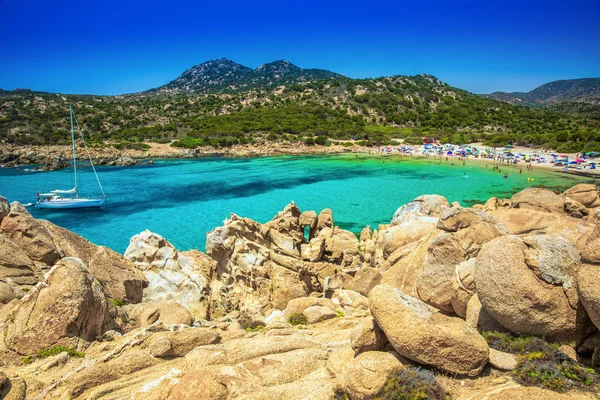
(582, 90)
(223, 74)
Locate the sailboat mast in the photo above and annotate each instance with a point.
(74, 153)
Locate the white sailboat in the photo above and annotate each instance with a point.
(66, 199)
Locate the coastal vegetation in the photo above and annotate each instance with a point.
(296, 107)
(541, 363)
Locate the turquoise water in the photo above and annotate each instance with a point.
(184, 199)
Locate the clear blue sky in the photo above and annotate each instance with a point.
(114, 47)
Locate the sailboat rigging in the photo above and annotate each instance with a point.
(55, 199)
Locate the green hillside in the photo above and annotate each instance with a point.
(374, 110)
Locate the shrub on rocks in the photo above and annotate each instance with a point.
(410, 384)
(556, 371)
(297, 319)
(543, 364)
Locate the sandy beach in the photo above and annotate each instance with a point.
(31, 155)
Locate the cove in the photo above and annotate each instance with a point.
(184, 199)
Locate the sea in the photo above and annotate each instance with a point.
(183, 199)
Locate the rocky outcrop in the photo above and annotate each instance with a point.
(222, 325)
(422, 334)
(173, 276)
(16, 267)
(423, 208)
(586, 194)
(33, 244)
(280, 262)
(69, 304)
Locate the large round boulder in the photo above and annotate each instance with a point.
(423, 208)
(70, 303)
(422, 334)
(528, 284)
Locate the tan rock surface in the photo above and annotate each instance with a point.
(420, 333)
(528, 284)
(167, 313)
(367, 373)
(69, 304)
(588, 287)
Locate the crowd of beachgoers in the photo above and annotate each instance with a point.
(585, 161)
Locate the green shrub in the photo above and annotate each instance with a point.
(52, 351)
(555, 371)
(255, 328)
(517, 344)
(321, 140)
(250, 325)
(347, 144)
(412, 384)
(190, 142)
(297, 319)
(541, 363)
(117, 302)
(27, 360)
(131, 146)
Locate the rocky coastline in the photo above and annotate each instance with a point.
(497, 301)
(55, 157)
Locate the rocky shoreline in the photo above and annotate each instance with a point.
(50, 158)
(497, 301)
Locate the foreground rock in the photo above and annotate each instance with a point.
(30, 246)
(173, 276)
(282, 264)
(223, 328)
(528, 284)
(69, 305)
(417, 331)
(367, 373)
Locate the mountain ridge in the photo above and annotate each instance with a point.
(223, 75)
(580, 90)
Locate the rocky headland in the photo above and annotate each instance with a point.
(497, 301)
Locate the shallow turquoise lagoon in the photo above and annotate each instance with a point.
(184, 199)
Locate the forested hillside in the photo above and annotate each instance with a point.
(373, 110)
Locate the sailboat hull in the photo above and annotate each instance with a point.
(71, 203)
